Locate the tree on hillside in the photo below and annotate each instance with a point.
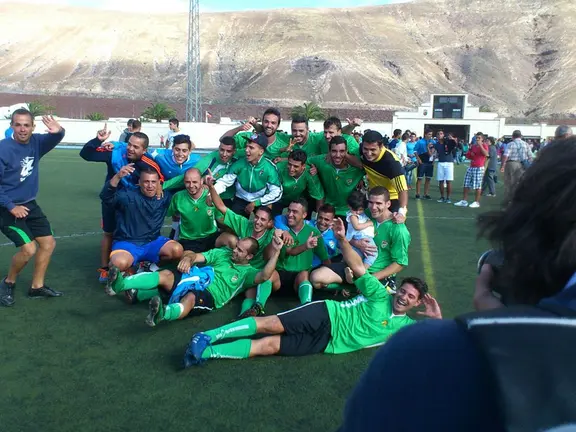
(159, 112)
(38, 108)
(311, 111)
(96, 116)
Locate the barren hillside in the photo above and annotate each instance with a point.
(518, 57)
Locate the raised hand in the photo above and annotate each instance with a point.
(286, 237)
(432, 308)
(246, 126)
(355, 121)
(277, 243)
(209, 179)
(251, 120)
(339, 229)
(290, 145)
(108, 146)
(104, 134)
(312, 241)
(126, 170)
(52, 125)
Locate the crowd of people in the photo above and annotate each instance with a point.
(267, 213)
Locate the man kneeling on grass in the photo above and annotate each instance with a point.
(197, 290)
(323, 326)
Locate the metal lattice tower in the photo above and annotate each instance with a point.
(194, 78)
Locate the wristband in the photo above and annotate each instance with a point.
(403, 211)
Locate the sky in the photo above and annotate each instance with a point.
(206, 5)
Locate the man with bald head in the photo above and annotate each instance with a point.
(563, 132)
(198, 230)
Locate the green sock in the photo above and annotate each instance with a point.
(335, 286)
(173, 311)
(243, 328)
(247, 303)
(263, 292)
(146, 294)
(305, 292)
(239, 349)
(140, 281)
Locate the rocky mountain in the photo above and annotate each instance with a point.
(517, 57)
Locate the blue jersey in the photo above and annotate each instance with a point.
(169, 167)
(330, 241)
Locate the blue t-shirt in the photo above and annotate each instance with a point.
(169, 167)
(19, 167)
(422, 149)
(9, 133)
(410, 148)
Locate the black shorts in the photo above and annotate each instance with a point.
(338, 268)
(200, 245)
(108, 219)
(425, 170)
(394, 205)
(238, 206)
(307, 330)
(287, 280)
(204, 302)
(23, 231)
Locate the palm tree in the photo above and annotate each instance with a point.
(38, 108)
(311, 111)
(96, 116)
(159, 112)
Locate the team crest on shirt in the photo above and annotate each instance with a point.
(209, 211)
(349, 182)
(234, 278)
(332, 244)
(383, 244)
(261, 173)
(385, 323)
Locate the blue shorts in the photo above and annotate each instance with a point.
(146, 252)
(108, 219)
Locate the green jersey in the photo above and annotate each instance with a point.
(196, 216)
(338, 183)
(295, 187)
(281, 140)
(366, 320)
(311, 146)
(258, 183)
(392, 241)
(213, 162)
(242, 227)
(229, 278)
(323, 148)
(298, 263)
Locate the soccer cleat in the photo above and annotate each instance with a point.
(194, 350)
(43, 292)
(7, 293)
(461, 203)
(442, 200)
(156, 309)
(483, 259)
(131, 296)
(255, 310)
(475, 204)
(113, 274)
(103, 275)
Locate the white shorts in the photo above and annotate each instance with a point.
(445, 171)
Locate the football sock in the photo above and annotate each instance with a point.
(334, 286)
(247, 303)
(263, 292)
(243, 328)
(305, 292)
(239, 349)
(173, 311)
(146, 294)
(139, 281)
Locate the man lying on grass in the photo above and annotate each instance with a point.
(323, 326)
(196, 290)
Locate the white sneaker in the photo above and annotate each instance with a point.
(475, 204)
(461, 203)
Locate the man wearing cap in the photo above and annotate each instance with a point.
(514, 161)
(383, 168)
(256, 178)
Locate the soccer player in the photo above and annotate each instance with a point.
(256, 178)
(392, 241)
(140, 216)
(297, 181)
(199, 290)
(177, 160)
(198, 229)
(21, 218)
(337, 176)
(333, 128)
(301, 139)
(270, 122)
(326, 326)
(383, 168)
(115, 157)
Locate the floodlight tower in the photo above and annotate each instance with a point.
(194, 78)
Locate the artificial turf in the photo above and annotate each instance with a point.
(88, 362)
